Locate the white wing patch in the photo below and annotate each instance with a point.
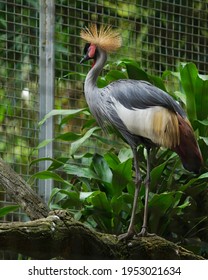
(158, 124)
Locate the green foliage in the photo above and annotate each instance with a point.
(8, 209)
(194, 88)
(99, 187)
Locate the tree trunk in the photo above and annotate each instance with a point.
(58, 235)
(21, 193)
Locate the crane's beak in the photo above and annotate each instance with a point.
(85, 58)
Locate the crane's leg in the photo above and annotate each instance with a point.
(144, 231)
(131, 231)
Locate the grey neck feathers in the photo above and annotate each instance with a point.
(91, 79)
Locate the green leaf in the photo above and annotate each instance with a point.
(84, 195)
(136, 74)
(66, 197)
(101, 211)
(114, 75)
(43, 144)
(204, 122)
(72, 74)
(56, 163)
(72, 113)
(193, 180)
(125, 154)
(181, 96)
(101, 82)
(156, 175)
(80, 171)
(99, 200)
(122, 175)
(71, 200)
(205, 139)
(76, 145)
(201, 90)
(102, 169)
(69, 117)
(68, 136)
(7, 209)
(54, 192)
(189, 74)
(157, 81)
(105, 140)
(111, 159)
(162, 201)
(44, 175)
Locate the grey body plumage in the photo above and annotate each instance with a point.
(140, 112)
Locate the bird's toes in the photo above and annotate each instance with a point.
(144, 233)
(126, 236)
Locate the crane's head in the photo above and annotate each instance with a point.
(90, 52)
(105, 38)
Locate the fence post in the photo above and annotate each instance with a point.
(46, 87)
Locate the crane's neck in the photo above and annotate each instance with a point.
(91, 79)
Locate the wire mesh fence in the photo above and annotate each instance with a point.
(158, 34)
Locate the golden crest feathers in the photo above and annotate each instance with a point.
(106, 38)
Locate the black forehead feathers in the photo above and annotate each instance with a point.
(86, 47)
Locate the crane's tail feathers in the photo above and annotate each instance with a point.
(188, 149)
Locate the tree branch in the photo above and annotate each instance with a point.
(60, 236)
(21, 193)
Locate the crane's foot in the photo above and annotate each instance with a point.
(126, 236)
(143, 233)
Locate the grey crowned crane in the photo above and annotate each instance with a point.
(140, 112)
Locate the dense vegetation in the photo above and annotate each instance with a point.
(96, 183)
(98, 188)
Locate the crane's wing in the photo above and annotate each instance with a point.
(142, 95)
(137, 108)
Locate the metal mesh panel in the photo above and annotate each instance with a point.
(19, 109)
(158, 34)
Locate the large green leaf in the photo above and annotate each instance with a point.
(134, 70)
(189, 74)
(201, 94)
(114, 75)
